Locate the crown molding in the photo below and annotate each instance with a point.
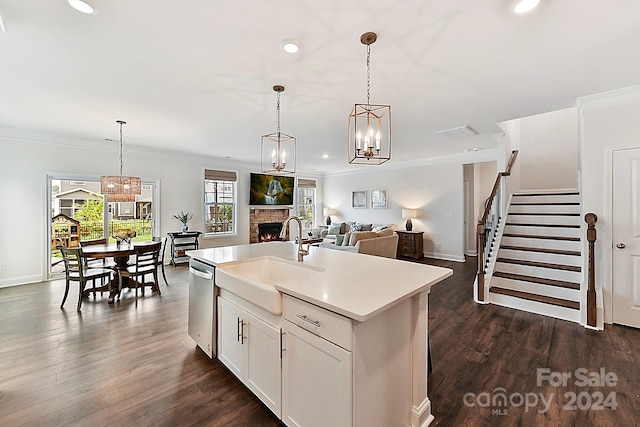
(610, 98)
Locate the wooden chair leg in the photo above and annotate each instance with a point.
(81, 287)
(164, 276)
(66, 293)
(156, 281)
(137, 291)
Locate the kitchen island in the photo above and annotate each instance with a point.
(342, 343)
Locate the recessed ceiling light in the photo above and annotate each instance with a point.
(290, 46)
(520, 7)
(84, 6)
(325, 156)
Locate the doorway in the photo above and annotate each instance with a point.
(78, 212)
(626, 237)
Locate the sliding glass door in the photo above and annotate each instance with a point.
(79, 212)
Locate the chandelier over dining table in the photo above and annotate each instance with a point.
(369, 124)
(120, 188)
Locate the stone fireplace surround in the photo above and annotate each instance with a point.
(259, 216)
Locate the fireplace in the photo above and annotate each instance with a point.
(269, 231)
(265, 216)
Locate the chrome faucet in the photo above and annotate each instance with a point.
(301, 252)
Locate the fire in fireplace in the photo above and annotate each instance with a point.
(269, 231)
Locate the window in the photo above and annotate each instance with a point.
(307, 202)
(219, 203)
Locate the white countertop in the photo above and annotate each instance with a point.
(355, 285)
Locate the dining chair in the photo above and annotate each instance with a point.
(77, 271)
(146, 263)
(96, 262)
(161, 258)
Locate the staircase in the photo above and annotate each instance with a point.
(538, 264)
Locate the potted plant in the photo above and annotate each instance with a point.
(184, 218)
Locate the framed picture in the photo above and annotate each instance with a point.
(359, 199)
(379, 199)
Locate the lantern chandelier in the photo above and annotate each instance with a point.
(120, 188)
(369, 125)
(278, 152)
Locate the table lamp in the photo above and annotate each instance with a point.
(328, 212)
(408, 214)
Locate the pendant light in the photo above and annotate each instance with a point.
(120, 188)
(369, 124)
(278, 150)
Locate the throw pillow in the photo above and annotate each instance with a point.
(339, 239)
(355, 227)
(347, 236)
(379, 228)
(365, 227)
(334, 229)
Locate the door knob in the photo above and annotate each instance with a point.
(620, 246)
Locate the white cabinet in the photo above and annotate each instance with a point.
(250, 348)
(326, 369)
(316, 380)
(341, 372)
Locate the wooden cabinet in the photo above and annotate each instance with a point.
(250, 348)
(410, 244)
(181, 242)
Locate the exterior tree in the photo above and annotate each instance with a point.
(91, 210)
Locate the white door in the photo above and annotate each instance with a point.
(263, 369)
(231, 337)
(626, 237)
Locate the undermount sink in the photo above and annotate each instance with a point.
(254, 279)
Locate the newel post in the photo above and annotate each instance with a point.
(591, 220)
(480, 234)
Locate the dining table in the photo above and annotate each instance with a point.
(120, 252)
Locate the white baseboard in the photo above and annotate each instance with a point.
(23, 280)
(446, 257)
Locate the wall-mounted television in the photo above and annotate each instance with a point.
(271, 190)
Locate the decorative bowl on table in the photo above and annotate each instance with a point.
(124, 235)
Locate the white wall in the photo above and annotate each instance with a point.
(608, 121)
(25, 163)
(436, 190)
(479, 178)
(548, 150)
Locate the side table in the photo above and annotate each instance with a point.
(410, 244)
(181, 242)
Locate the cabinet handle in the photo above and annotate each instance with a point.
(306, 319)
(282, 333)
(238, 332)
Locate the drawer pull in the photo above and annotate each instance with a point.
(306, 319)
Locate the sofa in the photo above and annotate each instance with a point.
(337, 232)
(382, 243)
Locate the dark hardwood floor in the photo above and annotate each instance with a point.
(122, 365)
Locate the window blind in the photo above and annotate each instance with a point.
(220, 175)
(306, 183)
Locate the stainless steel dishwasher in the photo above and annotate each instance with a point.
(202, 305)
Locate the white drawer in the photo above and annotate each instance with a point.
(324, 323)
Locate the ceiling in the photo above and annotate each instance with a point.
(197, 76)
